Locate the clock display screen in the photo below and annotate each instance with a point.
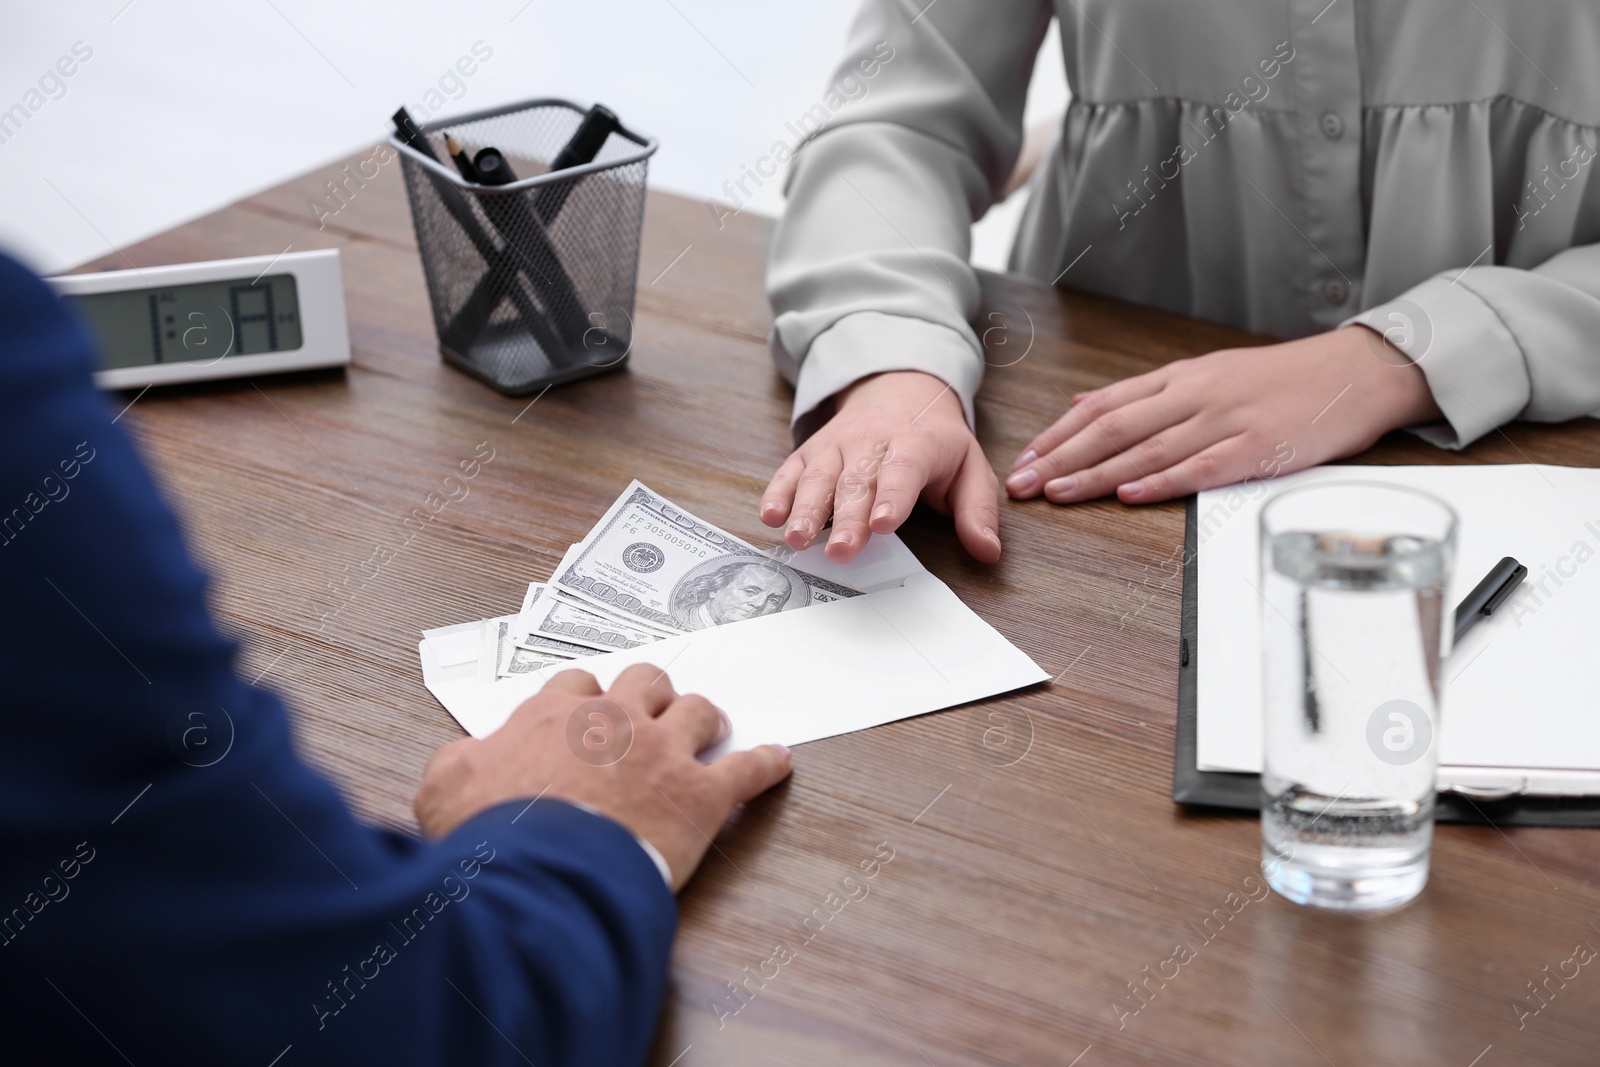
(203, 322)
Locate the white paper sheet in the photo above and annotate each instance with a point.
(1519, 710)
(906, 647)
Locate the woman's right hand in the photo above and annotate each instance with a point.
(895, 438)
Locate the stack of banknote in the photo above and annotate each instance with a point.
(648, 571)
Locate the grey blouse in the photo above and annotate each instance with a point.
(1283, 166)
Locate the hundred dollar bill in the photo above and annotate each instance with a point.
(571, 621)
(651, 561)
(533, 612)
(531, 600)
(658, 629)
(499, 657)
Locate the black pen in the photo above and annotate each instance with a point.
(455, 202)
(539, 262)
(492, 168)
(406, 127)
(598, 124)
(527, 250)
(1487, 596)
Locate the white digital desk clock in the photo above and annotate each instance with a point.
(228, 318)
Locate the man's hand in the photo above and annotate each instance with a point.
(895, 438)
(1224, 417)
(628, 753)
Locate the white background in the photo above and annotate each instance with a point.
(187, 106)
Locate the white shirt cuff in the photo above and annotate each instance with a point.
(649, 850)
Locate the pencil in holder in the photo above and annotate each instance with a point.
(531, 282)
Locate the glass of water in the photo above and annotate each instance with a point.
(1354, 626)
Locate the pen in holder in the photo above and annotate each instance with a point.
(531, 263)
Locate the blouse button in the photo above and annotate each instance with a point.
(1335, 293)
(1332, 125)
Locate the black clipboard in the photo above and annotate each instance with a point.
(1229, 791)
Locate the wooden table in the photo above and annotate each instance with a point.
(1039, 866)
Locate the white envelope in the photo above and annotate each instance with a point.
(454, 645)
(906, 647)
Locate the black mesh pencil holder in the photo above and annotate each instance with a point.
(532, 282)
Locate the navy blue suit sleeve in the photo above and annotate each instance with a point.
(179, 887)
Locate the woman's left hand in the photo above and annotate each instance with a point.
(1224, 417)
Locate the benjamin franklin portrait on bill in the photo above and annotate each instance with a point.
(735, 588)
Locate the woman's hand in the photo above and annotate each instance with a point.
(895, 438)
(1224, 417)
